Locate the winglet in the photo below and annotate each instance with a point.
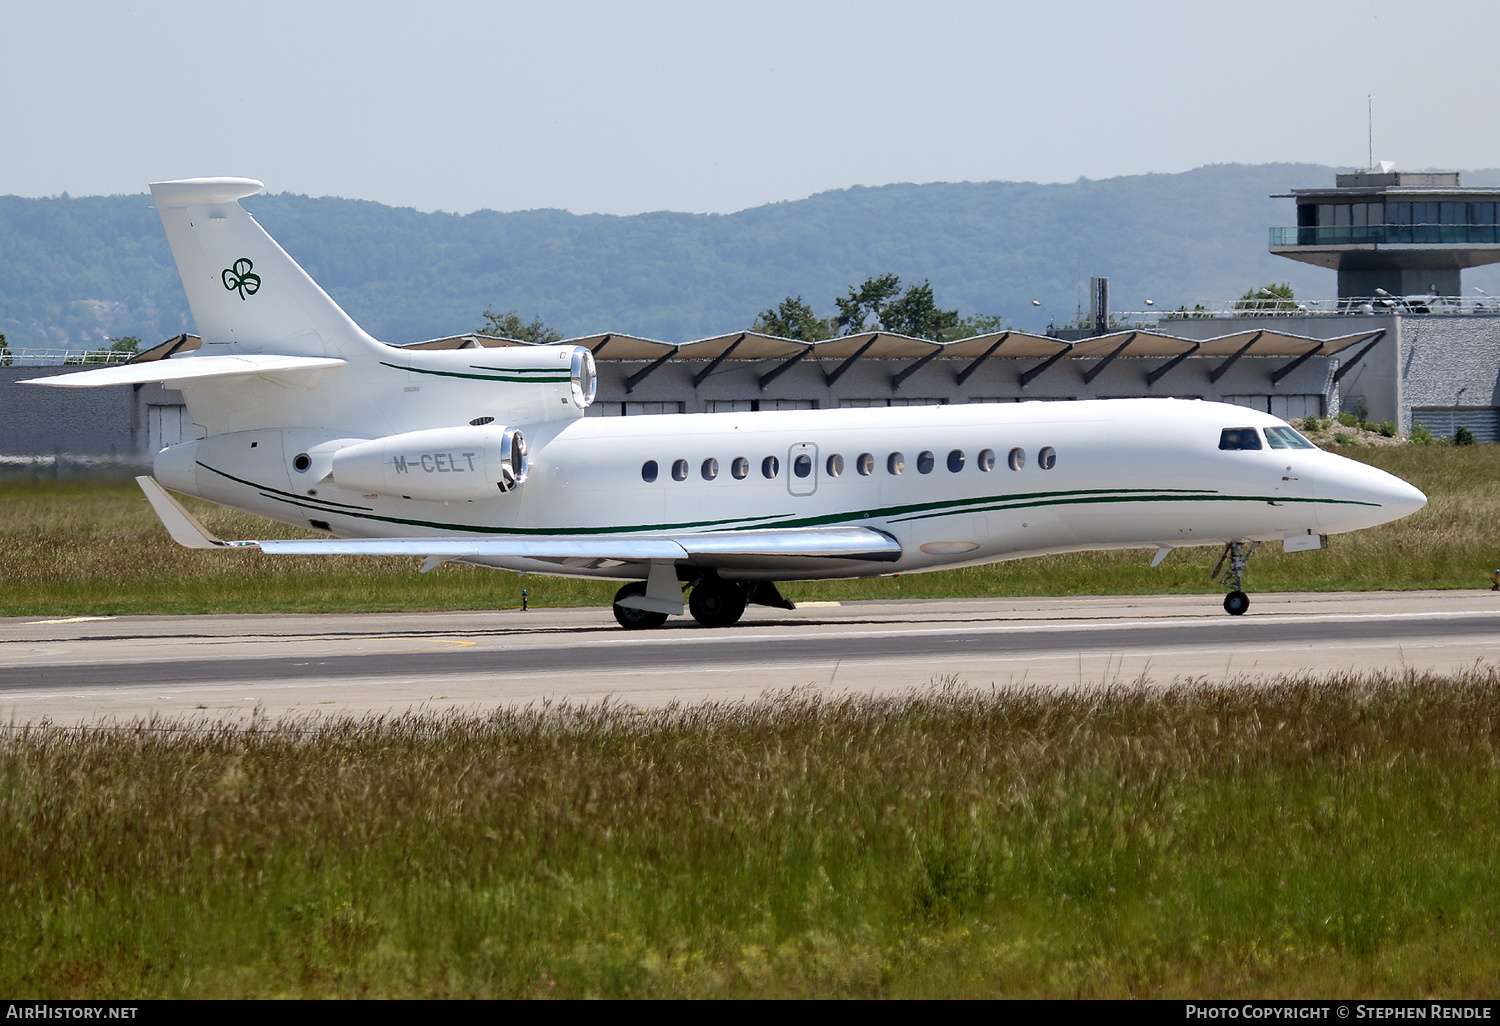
(180, 524)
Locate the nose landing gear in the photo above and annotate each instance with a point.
(1237, 554)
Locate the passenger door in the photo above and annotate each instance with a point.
(802, 468)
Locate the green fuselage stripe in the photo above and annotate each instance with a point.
(341, 506)
(365, 513)
(1084, 500)
(891, 514)
(516, 376)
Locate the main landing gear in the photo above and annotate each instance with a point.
(1237, 554)
(718, 603)
(714, 602)
(636, 619)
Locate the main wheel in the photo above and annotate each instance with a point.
(1236, 602)
(636, 619)
(716, 603)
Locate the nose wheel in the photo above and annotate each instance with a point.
(1236, 554)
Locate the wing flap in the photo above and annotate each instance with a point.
(187, 369)
(532, 547)
(810, 542)
(813, 542)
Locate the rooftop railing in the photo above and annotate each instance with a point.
(1388, 235)
(1342, 306)
(62, 357)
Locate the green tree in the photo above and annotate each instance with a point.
(125, 346)
(793, 318)
(865, 303)
(510, 325)
(916, 314)
(1268, 299)
(978, 324)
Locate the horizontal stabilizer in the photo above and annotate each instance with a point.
(187, 369)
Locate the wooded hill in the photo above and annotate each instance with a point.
(74, 270)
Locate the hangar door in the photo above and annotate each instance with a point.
(167, 425)
(1442, 421)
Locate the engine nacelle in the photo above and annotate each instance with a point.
(439, 463)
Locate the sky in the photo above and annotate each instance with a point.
(620, 108)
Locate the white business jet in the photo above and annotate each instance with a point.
(484, 456)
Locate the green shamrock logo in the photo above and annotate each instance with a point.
(239, 279)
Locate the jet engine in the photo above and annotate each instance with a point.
(438, 463)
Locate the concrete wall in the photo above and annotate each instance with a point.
(82, 426)
(1450, 362)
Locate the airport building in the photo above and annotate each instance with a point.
(1394, 233)
(1399, 340)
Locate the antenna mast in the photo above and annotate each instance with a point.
(1370, 116)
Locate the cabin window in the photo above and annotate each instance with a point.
(1287, 438)
(865, 464)
(648, 471)
(925, 462)
(1239, 438)
(740, 468)
(895, 463)
(710, 469)
(1047, 458)
(679, 470)
(770, 467)
(835, 465)
(802, 465)
(1017, 458)
(956, 460)
(985, 461)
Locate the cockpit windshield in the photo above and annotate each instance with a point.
(1287, 438)
(1239, 438)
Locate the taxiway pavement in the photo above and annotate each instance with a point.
(89, 669)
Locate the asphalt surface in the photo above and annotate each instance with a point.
(91, 669)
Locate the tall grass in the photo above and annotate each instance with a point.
(1306, 836)
(81, 547)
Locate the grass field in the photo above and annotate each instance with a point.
(82, 547)
(1305, 837)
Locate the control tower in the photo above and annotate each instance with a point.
(1401, 232)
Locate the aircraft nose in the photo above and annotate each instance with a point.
(1355, 496)
(1403, 499)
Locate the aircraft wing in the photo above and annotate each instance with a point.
(189, 368)
(710, 547)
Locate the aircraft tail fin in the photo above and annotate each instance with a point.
(244, 290)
